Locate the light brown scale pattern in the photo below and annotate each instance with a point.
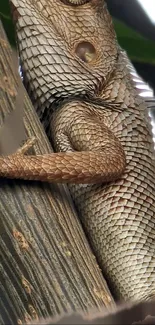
(118, 211)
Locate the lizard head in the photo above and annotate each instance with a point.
(67, 47)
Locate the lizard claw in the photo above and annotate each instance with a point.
(27, 145)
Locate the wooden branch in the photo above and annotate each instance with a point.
(46, 265)
(137, 313)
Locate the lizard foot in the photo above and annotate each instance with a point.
(27, 145)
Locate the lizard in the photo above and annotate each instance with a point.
(85, 91)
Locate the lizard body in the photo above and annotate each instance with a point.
(84, 89)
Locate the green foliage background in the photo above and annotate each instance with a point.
(139, 48)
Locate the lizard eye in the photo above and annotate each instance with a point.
(75, 2)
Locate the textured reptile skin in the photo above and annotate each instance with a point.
(105, 115)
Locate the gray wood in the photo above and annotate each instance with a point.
(46, 265)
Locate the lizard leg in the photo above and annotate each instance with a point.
(95, 156)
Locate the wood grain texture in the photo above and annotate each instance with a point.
(137, 314)
(46, 265)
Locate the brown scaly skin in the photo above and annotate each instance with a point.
(78, 76)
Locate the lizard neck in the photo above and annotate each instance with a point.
(124, 86)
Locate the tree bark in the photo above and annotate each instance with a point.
(46, 265)
(133, 313)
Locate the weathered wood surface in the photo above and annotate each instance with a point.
(46, 265)
(137, 313)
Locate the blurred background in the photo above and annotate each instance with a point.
(135, 27)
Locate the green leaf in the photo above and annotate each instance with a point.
(139, 49)
(5, 16)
